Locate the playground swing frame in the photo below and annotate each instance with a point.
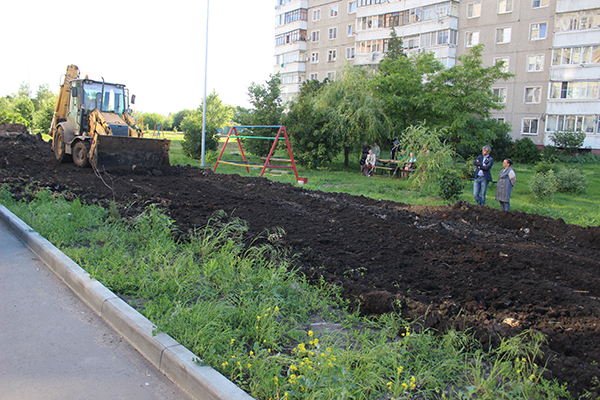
(233, 133)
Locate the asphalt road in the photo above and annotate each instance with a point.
(53, 346)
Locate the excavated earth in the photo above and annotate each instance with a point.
(459, 265)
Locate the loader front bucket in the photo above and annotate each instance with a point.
(130, 153)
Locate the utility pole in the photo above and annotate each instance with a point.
(204, 102)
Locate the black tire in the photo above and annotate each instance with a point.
(80, 154)
(59, 146)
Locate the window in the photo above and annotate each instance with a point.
(537, 31)
(472, 39)
(474, 10)
(535, 63)
(505, 6)
(314, 57)
(578, 21)
(316, 15)
(350, 53)
(315, 36)
(540, 3)
(352, 7)
(576, 55)
(351, 30)
(583, 123)
(314, 77)
(332, 33)
(500, 94)
(296, 15)
(504, 61)
(503, 35)
(331, 75)
(533, 95)
(333, 11)
(392, 19)
(574, 90)
(331, 55)
(530, 126)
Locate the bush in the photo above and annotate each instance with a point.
(587, 158)
(466, 170)
(550, 154)
(570, 141)
(450, 185)
(543, 167)
(571, 180)
(543, 185)
(525, 152)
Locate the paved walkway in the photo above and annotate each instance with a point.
(53, 346)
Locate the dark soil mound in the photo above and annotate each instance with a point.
(461, 265)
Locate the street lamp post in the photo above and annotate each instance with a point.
(205, 75)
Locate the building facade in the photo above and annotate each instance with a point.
(551, 46)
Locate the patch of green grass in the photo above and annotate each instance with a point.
(245, 312)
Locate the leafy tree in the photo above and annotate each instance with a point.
(570, 141)
(402, 85)
(313, 145)
(24, 107)
(151, 120)
(7, 114)
(267, 110)
(218, 115)
(463, 94)
(426, 144)
(395, 47)
(43, 102)
(179, 116)
(355, 115)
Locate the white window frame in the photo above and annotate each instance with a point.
(539, 25)
(351, 8)
(474, 9)
(316, 15)
(333, 33)
(506, 31)
(315, 36)
(540, 4)
(331, 75)
(535, 62)
(502, 93)
(505, 6)
(537, 126)
(535, 92)
(332, 55)
(314, 57)
(333, 11)
(474, 39)
(350, 53)
(314, 76)
(507, 61)
(351, 30)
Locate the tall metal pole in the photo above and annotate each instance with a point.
(204, 102)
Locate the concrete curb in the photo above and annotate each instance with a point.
(168, 356)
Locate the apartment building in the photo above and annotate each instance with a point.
(573, 98)
(552, 47)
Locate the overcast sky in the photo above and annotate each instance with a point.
(155, 48)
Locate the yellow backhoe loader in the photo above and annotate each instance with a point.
(92, 124)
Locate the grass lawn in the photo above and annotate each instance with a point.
(577, 209)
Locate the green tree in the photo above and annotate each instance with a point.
(355, 115)
(569, 141)
(44, 108)
(179, 116)
(395, 47)
(463, 94)
(151, 120)
(218, 115)
(267, 111)
(313, 145)
(401, 84)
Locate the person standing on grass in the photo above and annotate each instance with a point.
(483, 176)
(506, 182)
(377, 151)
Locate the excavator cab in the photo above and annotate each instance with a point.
(92, 125)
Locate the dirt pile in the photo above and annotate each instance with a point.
(461, 265)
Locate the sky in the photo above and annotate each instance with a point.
(157, 49)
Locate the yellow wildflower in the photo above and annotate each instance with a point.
(310, 333)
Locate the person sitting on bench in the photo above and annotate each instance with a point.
(370, 163)
(408, 165)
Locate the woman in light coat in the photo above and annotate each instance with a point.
(506, 182)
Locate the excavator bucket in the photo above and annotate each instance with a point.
(132, 153)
